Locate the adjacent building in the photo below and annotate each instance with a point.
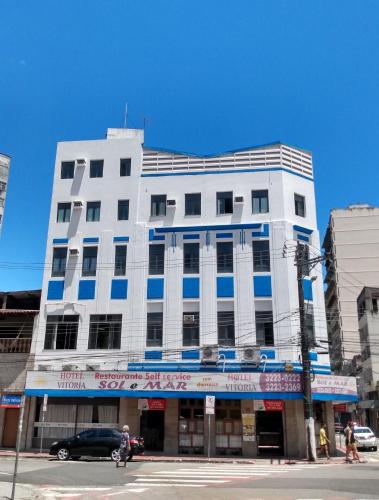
(351, 241)
(170, 277)
(18, 311)
(4, 175)
(368, 316)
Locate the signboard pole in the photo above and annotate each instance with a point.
(19, 432)
(44, 409)
(209, 436)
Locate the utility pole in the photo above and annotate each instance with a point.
(306, 362)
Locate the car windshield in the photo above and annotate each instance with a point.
(362, 430)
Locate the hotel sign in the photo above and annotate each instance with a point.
(151, 382)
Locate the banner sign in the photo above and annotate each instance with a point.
(268, 405)
(185, 382)
(10, 401)
(342, 407)
(152, 404)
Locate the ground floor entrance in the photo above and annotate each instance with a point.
(270, 433)
(11, 417)
(152, 429)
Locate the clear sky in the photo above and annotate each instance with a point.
(209, 75)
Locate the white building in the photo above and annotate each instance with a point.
(368, 316)
(4, 174)
(171, 276)
(352, 242)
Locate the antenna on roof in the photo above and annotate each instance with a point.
(126, 114)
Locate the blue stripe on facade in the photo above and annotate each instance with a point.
(155, 288)
(225, 286)
(153, 354)
(237, 171)
(152, 236)
(302, 238)
(191, 288)
(215, 227)
(60, 241)
(55, 290)
(302, 229)
(120, 238)
(307, 287)
(269, 353)
(228, 354)
(191, 236)
(262, 286)
(179, 394)
(193, 354)
(86, 289)
(119, 289)
(224, 235)
(91, 240)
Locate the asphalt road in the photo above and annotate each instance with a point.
(50, 479)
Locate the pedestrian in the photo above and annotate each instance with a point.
(348, 437)
(324, 441)
(124, 446)
(353, 444)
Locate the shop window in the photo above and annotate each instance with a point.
(191, 426)
(228, 427)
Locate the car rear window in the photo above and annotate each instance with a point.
(362, 430)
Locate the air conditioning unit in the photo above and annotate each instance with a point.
(238, 200)
(44, 368)
(92, 368)
(70, 368)
(73, 252)
(171, 203)
(251, 355)
(81, 162)
(209, 355)
(78, 204)
(188, 319)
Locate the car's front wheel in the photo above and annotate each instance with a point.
(374, 448)
(115, 454)
(63, 454)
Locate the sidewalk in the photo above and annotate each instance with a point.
(23, 491)
(188, 459)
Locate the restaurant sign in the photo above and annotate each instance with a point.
(150, 383)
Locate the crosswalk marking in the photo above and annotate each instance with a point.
(167, 480)
(182, 485)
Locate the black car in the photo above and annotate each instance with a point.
(94, 443)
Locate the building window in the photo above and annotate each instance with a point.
(105, 331)
(299, 205)
(191, 258)
(96, 168)
(225, 257)
(193, 204)
(61, 332)
(225, 328)
(93, 211)
(304, 253)
(89, 261)
(191, 329)
(64, 212)
(225, 202)
(154, 329)
(261, 256)
(264, 328)
(67, 169)
(125, 167)
(158, 205)
(59, 262)
(156, 259)
(123, 210)
(259, 201)
(120, 260)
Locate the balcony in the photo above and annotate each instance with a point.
(20, 345)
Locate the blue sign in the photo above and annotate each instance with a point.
(10, 400)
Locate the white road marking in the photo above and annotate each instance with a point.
(6, 473)
(148, 478)
(128, 490)
(75, 488)
(182, 485)
(210, 474)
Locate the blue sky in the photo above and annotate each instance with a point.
(208, 75)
